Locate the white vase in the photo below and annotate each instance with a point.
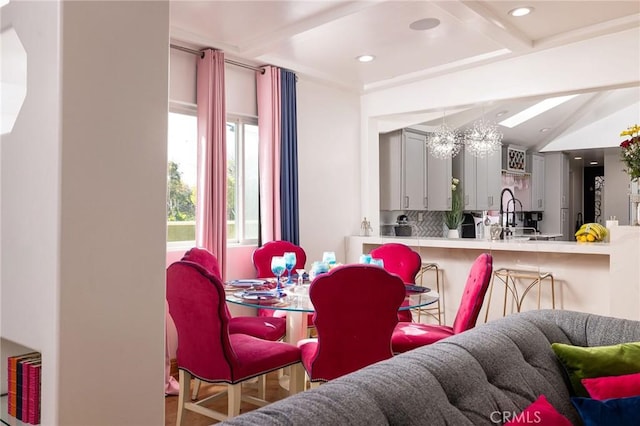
(453, 233)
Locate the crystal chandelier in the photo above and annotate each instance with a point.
(444, 142)
(483, 139)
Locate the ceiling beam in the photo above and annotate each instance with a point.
(262, 43)
(486, 22)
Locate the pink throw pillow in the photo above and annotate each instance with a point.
(602, 388)
(540, 412)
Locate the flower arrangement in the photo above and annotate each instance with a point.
(631, 151)
(453, 218)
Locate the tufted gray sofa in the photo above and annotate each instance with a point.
(475, 378)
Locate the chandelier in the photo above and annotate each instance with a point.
(444, 142)
(483, 139)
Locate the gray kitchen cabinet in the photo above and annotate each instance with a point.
(481, 180)
(537, 163)
(556, 195)
(438, 185)
(409, 179)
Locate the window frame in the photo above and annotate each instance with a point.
(192, 110)
(240, 148)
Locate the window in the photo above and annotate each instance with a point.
(242, 179)
(181, 179)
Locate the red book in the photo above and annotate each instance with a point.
(33, 394)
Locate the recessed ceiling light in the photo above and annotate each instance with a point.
(520, 11)
(545, 129)
(577, 158)
(424, 24)
(593, 163)
(365, 58)
(501, 113)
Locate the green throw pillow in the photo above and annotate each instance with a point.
(597, 361)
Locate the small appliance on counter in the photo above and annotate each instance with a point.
(468, 226)
(402, 229)
(530, 222)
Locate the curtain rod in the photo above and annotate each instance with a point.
(228, 61)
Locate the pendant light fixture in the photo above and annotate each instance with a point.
(483, 139)
(444, 142)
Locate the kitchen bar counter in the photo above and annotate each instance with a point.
(498, 245)
(601, 278)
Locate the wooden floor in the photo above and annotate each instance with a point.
(274, 393)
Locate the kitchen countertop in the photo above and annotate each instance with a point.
(598, 248)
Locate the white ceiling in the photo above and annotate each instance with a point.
(321, 39)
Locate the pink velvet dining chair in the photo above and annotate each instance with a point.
(262, 256)
(401, 260)
(408, 336)
(262, 262)
(356, 310)
(268, 328)
(208, 352)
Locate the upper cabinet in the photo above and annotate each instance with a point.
(536, 163)
(409, 178)
(481, 180)
(556, 171)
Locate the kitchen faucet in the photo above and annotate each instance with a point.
(515, 200)
(502, 211)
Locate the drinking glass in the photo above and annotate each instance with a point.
(290, 262)
(378, 262)
(278, 266)
(329, 257)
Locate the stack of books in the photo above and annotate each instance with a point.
(23, 399)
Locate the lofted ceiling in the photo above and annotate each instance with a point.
(321, 39)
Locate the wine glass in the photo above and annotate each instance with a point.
(329, 257)
(278, 266)
(290, 262)
(378, 262)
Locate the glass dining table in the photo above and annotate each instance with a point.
(295, 301)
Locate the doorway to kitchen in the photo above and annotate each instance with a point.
(593, 194)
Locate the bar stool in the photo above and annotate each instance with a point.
(434, 310)
(509, 278)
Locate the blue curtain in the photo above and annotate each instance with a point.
(289, 213)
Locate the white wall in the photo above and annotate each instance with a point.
(616, 188)
(329, 168)
(83, 199)
(31, 209)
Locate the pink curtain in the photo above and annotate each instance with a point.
(268, 87)
(211, 210)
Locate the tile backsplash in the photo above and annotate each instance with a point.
(431, 225)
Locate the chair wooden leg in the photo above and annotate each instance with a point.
(196, 389)
(185, 380)
(234, 394)
(262, 386)
(296, 379)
